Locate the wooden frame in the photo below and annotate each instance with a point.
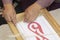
(45, 13)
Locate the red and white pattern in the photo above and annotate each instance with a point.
(40, 29)
(36, 28)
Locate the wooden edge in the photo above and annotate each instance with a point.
(52, 21)
(47, 16)
(14, 29)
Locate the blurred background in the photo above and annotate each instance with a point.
(53, 6)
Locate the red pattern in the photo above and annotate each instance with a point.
(33, 28)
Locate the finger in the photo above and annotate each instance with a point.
(26, 16)
(28, 19)
(14, 20)
(13, 17)
(25, 19)
(7, 18)
(31, 18)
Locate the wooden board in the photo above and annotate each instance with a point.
(43, 12)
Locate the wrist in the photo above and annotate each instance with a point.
(8, 6)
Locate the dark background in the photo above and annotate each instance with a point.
(53, 6)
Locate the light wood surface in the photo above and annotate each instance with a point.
(14, 29)
(52, 21)
(44, 12)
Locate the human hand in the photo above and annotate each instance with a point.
(9, 14)
(32, 12)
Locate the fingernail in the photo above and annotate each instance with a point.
(24, 19)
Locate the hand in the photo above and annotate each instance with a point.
(32, 12)
(9, 14)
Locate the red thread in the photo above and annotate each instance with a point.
(33, 28)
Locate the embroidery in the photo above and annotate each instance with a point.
(36, 28)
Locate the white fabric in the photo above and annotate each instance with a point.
(28, 34)
(5, 33)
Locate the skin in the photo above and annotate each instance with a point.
(32, 12)
(10, 15)
(9, 12)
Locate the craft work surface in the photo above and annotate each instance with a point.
(44, 27)
(48, 17)
(40, 29)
